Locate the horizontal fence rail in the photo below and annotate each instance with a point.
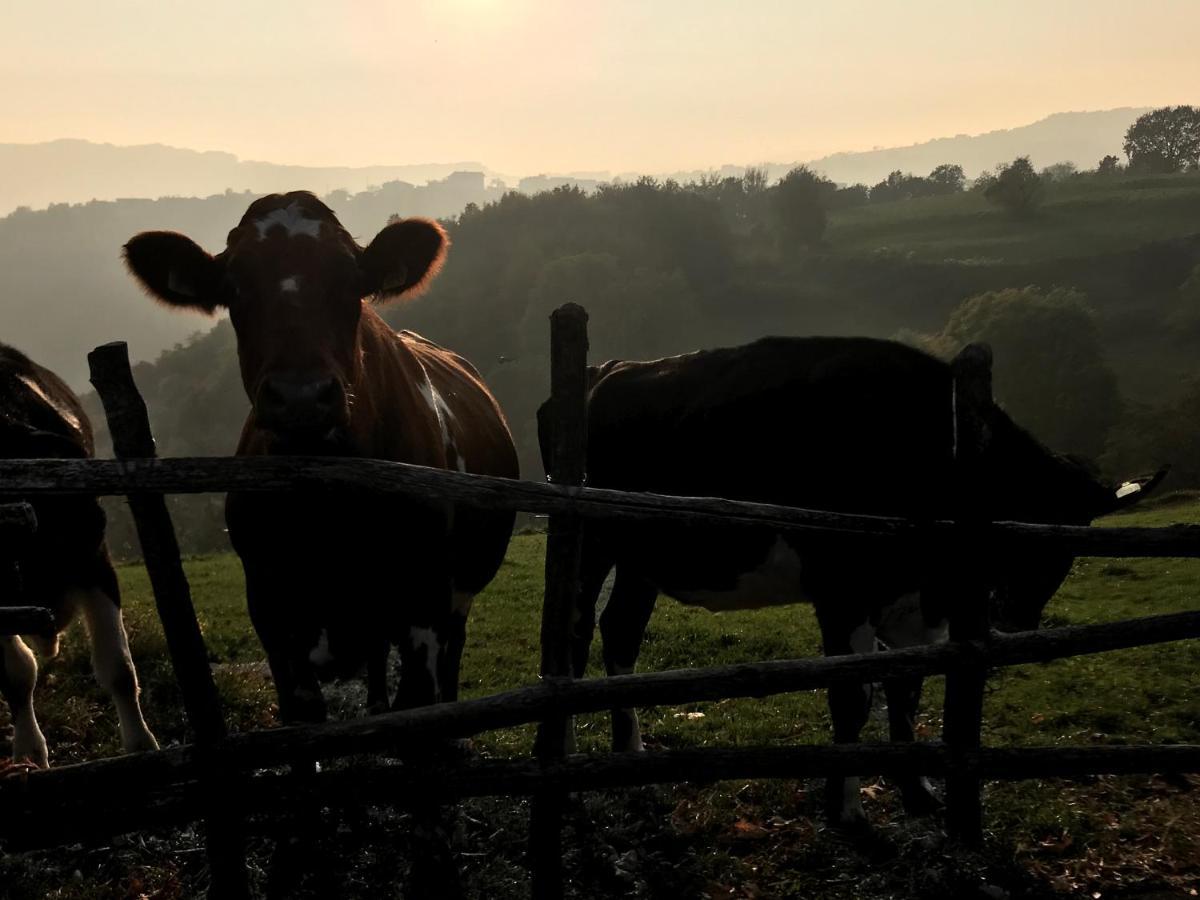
(167, 773)
(197, 475)
(41, 811)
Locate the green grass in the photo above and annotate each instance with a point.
(1145, 694)
(1084, 217)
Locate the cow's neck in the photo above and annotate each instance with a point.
(387, 416)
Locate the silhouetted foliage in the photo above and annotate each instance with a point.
(799, 204)
(1149, 436)
(1050, 372)
(1059, 171)
(850, 196)
(1017, 188)
(1164, 140)
(944, 179)
(947, 179)
(1109, 165)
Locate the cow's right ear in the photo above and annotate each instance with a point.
(174, 269)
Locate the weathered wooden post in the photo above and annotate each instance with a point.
(564, 541)
(129, 426)
(963, 712)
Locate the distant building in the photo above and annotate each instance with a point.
(538, 184)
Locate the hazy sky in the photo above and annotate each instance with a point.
(528, 86)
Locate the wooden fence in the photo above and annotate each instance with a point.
(220, 778)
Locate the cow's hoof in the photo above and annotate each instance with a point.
(304, 706)
(920, 799)
(31, 750)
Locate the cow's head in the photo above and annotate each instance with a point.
(294, 282)
(1030, 484)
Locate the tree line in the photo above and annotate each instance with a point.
(666, 268)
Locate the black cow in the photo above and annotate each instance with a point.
(67, 567)
(853, 425)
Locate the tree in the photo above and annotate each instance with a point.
(1017, 187)
(799, 202)
(1164, 140)
(947, 179)
(1059, 171)
(1110, 165)
(1050, 372)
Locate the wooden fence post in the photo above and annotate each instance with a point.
(129, 426)
(564, 541)
(963, 712)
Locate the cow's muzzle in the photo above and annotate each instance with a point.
(300, 406)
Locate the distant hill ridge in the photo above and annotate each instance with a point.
(75, 171)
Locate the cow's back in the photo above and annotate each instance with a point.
(850, 424)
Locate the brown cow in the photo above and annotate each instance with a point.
(66, 567)
(333, 580)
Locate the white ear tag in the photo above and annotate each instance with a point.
(1129, 487)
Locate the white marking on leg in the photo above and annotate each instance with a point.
(634, 743)
(606, 590)
(427, 639)
(319, 655)
(292, 220)
(290, 285)
(20, 676)
(114, 667)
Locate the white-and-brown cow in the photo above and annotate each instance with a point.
(333, 580)
(66, 567)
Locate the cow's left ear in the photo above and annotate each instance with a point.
(403, 259)
(174, 269)
(1135, 489)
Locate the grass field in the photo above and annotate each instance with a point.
(1095, 837)
(1084, 217)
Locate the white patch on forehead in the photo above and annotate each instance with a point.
(290, 285)
(902, 624)
(773, 582)
(292, 220)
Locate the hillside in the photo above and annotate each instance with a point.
(665, 270)
(63, 289)
(76, 171)
(1079, 137)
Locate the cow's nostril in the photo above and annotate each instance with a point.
(271, 395)
(329, 392)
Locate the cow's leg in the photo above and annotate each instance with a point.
(112, 662)
(424, 639)
(18, 676)
(377, 689)
(849, 705)
(278, 613)
(903, 699)
(456, 640)
(594, 568)
(622, 626)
